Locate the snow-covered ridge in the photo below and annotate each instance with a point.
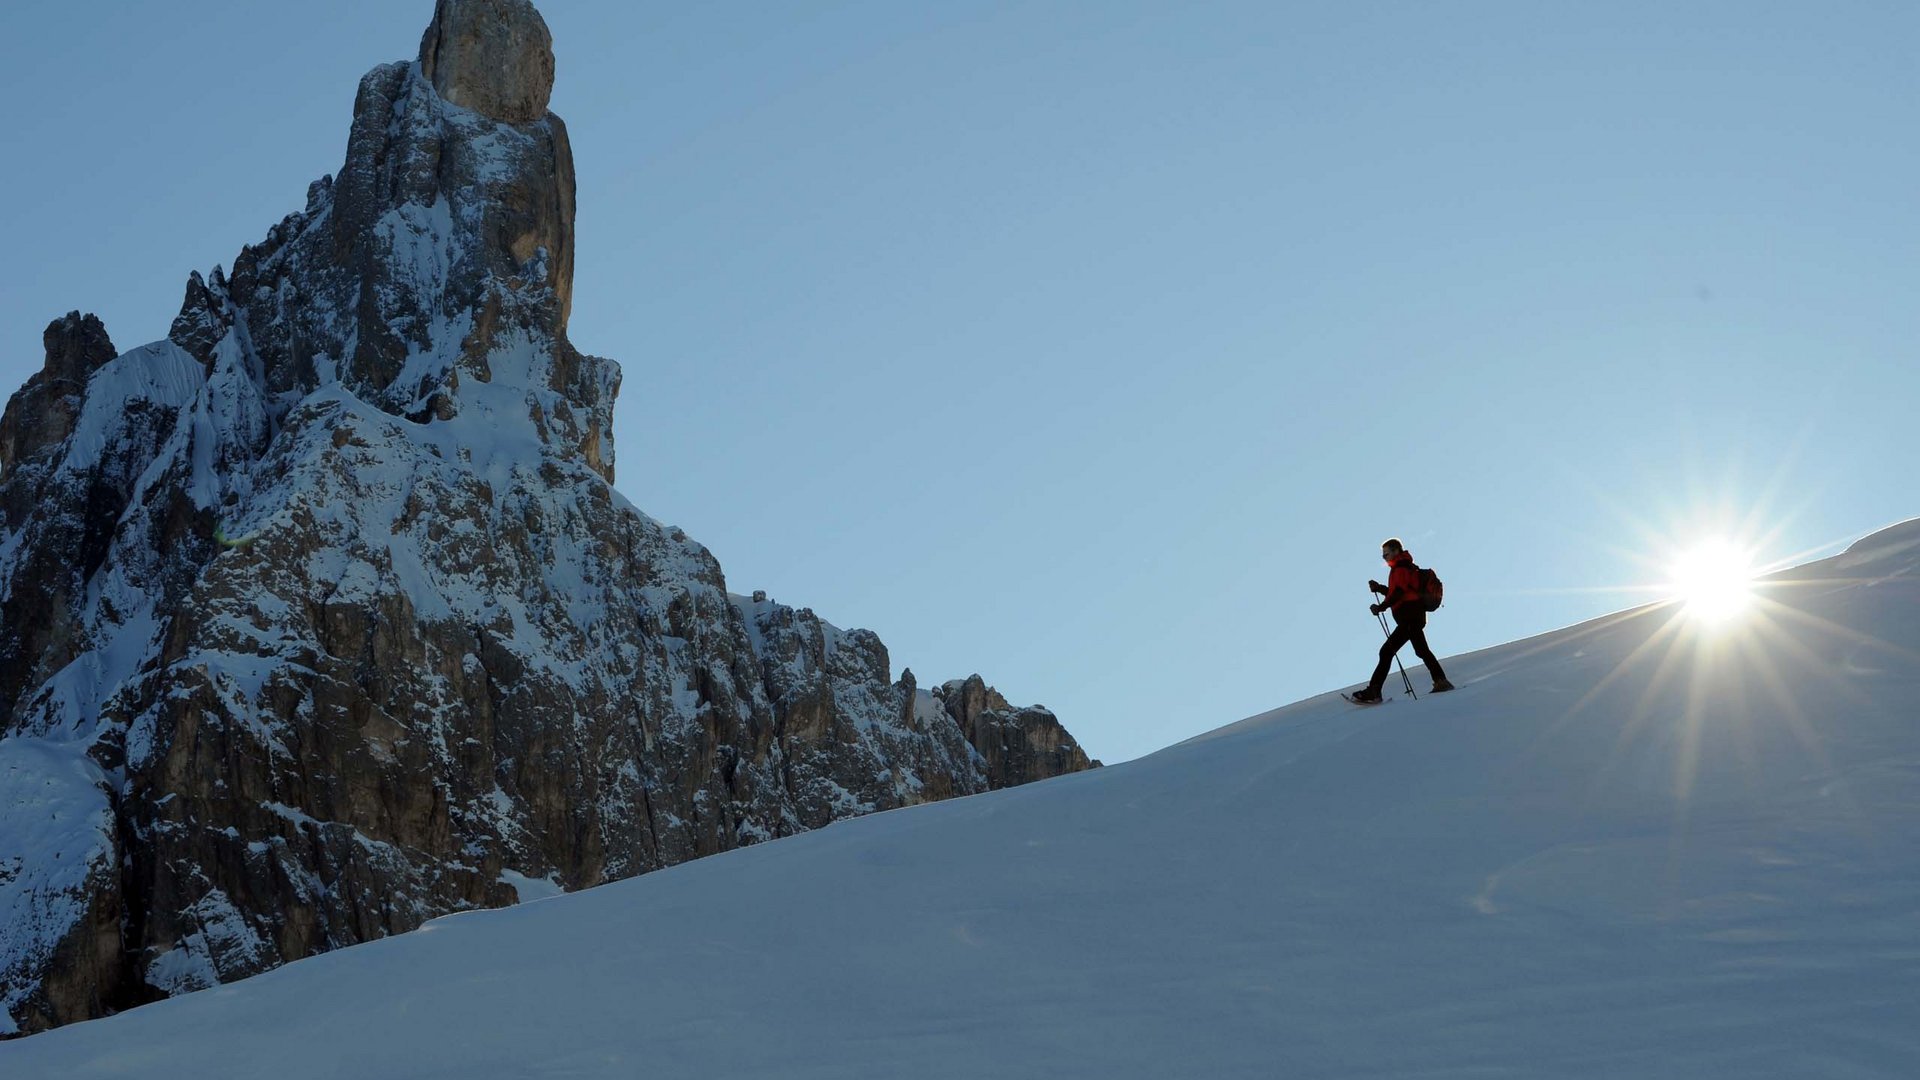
(1626, 848)
(161, 375)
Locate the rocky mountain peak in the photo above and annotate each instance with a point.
(76, 344)
(432, 276)
(44, 411)
(205, 317)
(321, 617)
(492, 56)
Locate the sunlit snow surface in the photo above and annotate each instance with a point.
(1625, 849)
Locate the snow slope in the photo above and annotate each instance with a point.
(1624, 849)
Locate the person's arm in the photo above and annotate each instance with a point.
(1400, 587)
(1394, 592)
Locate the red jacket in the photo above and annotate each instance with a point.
(1403, 585)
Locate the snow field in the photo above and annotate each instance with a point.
(1628, 848)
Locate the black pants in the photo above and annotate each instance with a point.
(1411, 627)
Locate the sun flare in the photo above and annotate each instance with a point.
(1715, 581)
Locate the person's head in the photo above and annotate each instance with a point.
(1391, 549)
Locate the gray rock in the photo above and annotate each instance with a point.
(43, 412)
(205, 317)
(71, 516)
(492, 56)
(1017, 744)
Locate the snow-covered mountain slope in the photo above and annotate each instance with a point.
(1631, 848)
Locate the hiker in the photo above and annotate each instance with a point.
(1402, 595)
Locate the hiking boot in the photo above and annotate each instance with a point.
(1441, 687)
(1366, 696)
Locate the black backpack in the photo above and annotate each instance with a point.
(1432, 592)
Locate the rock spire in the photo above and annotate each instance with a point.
(492, 56)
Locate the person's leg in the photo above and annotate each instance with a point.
(1420, 649)
(1391, 646)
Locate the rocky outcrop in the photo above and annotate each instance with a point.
(1019, 743)
(320, 617)
(492, 56)
(828, 686)
(73, 443)
(42, 413)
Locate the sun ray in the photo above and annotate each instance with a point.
(1735, 700)
(1639, 654)
(1817, 551)
(1624, 666)
(1816, 666)
(1663, 673)
(1849, 633)
(1741, 662)
(1760, 509)
(1799, 725)
(1686, 758)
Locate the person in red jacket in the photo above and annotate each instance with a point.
(1401, 595)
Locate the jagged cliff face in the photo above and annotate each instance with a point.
(321, 617)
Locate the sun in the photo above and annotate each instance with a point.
(1714, 579)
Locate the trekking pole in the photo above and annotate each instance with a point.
(1396, 657)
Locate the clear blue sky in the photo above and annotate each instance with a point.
(1095, 346)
